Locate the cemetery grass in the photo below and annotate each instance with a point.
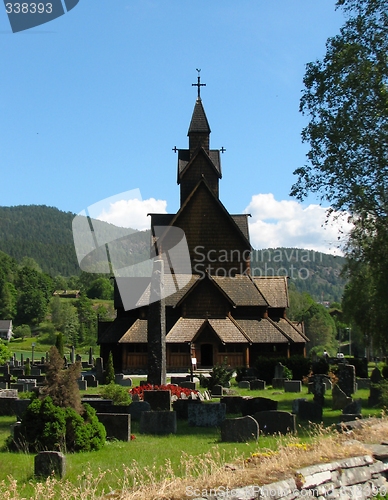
(155, 458)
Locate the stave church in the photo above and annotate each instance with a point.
(222, 311)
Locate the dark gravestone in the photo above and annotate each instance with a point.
(159, 400)
(158, 422)
(217, 391)
(206, 415)
(188, 385)
(137, 407)
(239, 430)
(310, 411)
(48, 463)
(295, 405)
(319, 389)
(244, 384)
(180, 406)
(117, 425)
(279, 371)
(275, 422)
(292, 386)
(233, 403)
(178, 380)
(250, 406)
(340, 399)
(7, 406)
(99, 404)
(278, 383)
(20, 406)
(257, 385)
(347, 379)
(353, 408)
(156, 327)
(375, 390)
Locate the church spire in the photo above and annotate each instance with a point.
(199, 129)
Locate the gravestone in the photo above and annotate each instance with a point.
(90, 360)
(292, 386)
(276, 422)
(158, 400)
(375, 390)
(206, 415)
(82, 385)
(295, 405)
(217, 391)
(178, 380)
(123, 380)
(310, 411)
(319, 388)
(188, 385)
(180, 406)
(257, 385)
(36, 372)
(244, 384)
(354, 408)
(363, 383)
(158, 422)
(239, 430)
(279, 370)
(137, 407)
(99, 369)
(99, 404)
(117, 425)
(340, 399)
(250, 406)
(233, 403)
(156, 327)
(47, 463)
(278, 383)
(347, 379)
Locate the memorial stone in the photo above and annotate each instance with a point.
(250, 406)
(239, 430)
(276, 422)
(347, 379)
(159, 400)
(48, 463)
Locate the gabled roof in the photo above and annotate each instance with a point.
(291, 330)
(199, 123)
(115, 331)
(136, 333)
(241, 290)
(274, 289)
(188, 329)
(202, 182)
(262, 331)
(184, 161)
(172, 295)
(241, 221)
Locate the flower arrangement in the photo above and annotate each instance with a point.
(175, 390)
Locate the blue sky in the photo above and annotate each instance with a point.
(92, 103)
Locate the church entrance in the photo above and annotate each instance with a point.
(206, 355)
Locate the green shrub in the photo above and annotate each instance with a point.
(117, 393)
(46, 426)
(220, 375)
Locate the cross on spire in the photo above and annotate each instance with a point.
(199, 84)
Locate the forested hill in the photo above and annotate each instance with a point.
(45, 234)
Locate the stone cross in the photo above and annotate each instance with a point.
(156, 327)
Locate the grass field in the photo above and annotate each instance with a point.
(150, 459)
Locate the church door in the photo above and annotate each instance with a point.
(206, 355)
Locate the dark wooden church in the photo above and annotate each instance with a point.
(223, 311)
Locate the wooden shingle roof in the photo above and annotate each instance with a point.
(290, 329)
(115, 331)
(184, 330)
(241, 221)
(262, 331)
(274, 289)
(199, 123)
(228, 331)
(171, 283)
(240, 290)
(136, 333)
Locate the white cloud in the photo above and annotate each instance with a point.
(132, 213)
(287, 223)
